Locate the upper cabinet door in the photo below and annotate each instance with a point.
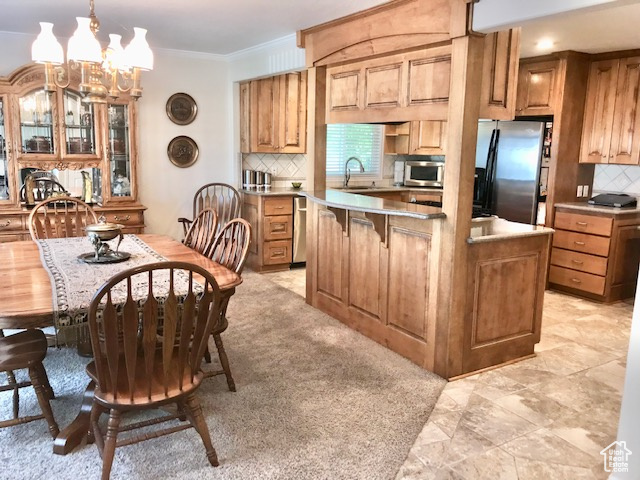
(499, 75)
(428, 137)
(79, 120)
(293, 113)
(7, 172)
(245, 118)
(264, 114)
(625, 139)
(37, 125)
(599, 110)
(537, 88)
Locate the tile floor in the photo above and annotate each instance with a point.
(545, 417)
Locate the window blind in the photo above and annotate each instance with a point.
(354, 140)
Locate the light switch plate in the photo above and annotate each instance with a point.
(585, 190)
(579, 193)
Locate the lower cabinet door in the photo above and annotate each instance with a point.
(578, 280)
(277, 252)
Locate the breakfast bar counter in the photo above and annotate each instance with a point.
(373, 264)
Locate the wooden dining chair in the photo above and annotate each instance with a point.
(223, 198)
(39, 186)
(148, 353)
(230, 249)
(60, 217)
(26, 350)
(202, 231)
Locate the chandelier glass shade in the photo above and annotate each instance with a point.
(105, 73)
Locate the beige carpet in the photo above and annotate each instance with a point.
(315, 400)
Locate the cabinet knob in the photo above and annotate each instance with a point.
(118, 218)
(5, 224)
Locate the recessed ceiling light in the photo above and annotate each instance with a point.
(545, 44)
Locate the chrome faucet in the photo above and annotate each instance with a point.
(347, 173)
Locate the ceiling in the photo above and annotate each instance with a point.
(216, 27)
(227, 27)
(594, 30)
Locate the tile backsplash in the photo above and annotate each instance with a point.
(617, 179)
(293, 167)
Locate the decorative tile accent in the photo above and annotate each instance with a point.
(617, 178)
(287, 166)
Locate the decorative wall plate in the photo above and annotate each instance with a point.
(181, 108)
(182, 151)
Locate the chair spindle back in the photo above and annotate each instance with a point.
(231, 246)
(202, 231)
(60, 217)
(137, 334)
(223, 198)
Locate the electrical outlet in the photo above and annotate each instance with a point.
(580, 190)
(585, 190)
(274, 171)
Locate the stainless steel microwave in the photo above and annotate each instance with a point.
(423, 174)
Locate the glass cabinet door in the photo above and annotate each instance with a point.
(4, 161)
(79, 122)
(120, 151)
(36, 123)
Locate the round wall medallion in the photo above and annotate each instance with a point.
(182, 151)
(181, 108)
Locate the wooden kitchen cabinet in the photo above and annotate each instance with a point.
(537, 88)
(273, 114)
(611, 132)
(412, 85)
(595, 254)
(500, 75)
(271, 219)
(428, 137)
(424, 137)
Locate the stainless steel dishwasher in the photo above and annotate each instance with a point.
(299, 231)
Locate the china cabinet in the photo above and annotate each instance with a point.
(90, 149)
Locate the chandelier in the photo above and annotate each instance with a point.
(103, 72)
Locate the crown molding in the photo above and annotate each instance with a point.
(282, 41)
(191, 54)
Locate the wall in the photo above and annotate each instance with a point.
(629, 427)
(165, 189)
(617, 179)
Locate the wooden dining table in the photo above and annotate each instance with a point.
(26, 301)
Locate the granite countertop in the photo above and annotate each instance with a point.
(493, 229)
(368, 204)
(585, 207)
(274, 192)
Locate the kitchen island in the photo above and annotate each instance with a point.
(372, 264)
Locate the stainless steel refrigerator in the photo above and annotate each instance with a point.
(508, 157)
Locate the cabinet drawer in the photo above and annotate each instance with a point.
(276, 252)
(278, 206)
(584, 223)
(11, 223)
(579, 261)
(579, 280)
(278, 227)
(581, 242)
(126, 217)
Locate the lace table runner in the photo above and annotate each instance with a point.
(74, 282)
